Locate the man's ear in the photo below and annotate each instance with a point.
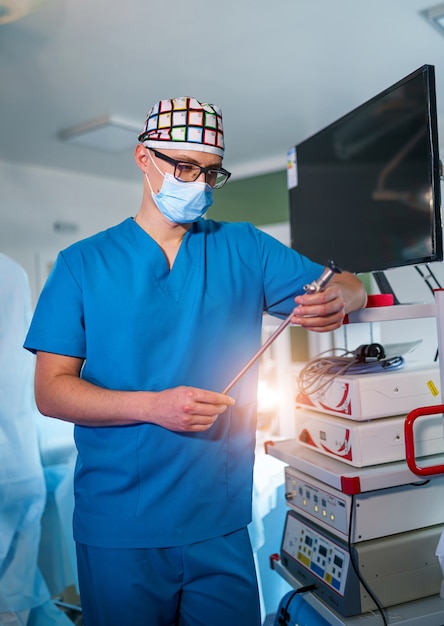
(141, 157)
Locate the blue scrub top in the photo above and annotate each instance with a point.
(112, 300)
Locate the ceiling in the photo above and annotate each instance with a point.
(279, 70)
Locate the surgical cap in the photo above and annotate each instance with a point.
(184, 123)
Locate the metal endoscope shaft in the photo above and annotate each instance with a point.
(314, 287)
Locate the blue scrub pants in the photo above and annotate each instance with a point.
(207, 583)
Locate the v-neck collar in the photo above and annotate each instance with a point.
(172, 280)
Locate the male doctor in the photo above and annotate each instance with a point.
(137, 331)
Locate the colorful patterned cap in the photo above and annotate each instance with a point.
(185, 123)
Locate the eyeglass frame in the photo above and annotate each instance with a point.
(203, 170)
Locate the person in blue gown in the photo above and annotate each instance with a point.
(137, 332)
(24, 595)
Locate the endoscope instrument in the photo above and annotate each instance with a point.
(315, 287)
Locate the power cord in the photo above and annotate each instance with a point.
(284, 615)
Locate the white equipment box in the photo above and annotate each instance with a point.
(367, 443)
(359, 517)
(370, 396)
(397, 569)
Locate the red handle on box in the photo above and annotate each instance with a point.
(432, 470)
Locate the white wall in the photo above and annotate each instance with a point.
(33, 199)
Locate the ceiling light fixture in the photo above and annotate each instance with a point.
(107, 133)
(12, 10)
(435, 16)
(65, 228)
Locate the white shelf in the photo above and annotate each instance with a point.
(346, 478)
(425, 612)
(396, 312)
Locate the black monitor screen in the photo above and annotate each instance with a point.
(365, 191)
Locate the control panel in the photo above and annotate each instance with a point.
(328, 560)
(398, 568)
(358, 517)
(327, 506)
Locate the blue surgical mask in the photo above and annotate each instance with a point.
(183, 202)
(180, 202)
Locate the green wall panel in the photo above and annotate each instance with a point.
(260, 200)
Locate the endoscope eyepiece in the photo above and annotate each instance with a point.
(321, 283)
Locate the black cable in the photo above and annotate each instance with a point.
(421, 484)
(426, 278)
(356, 569)
(284, 617)
(432, 289)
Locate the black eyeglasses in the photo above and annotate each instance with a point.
(189, 172)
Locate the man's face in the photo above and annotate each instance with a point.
(186, 165)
